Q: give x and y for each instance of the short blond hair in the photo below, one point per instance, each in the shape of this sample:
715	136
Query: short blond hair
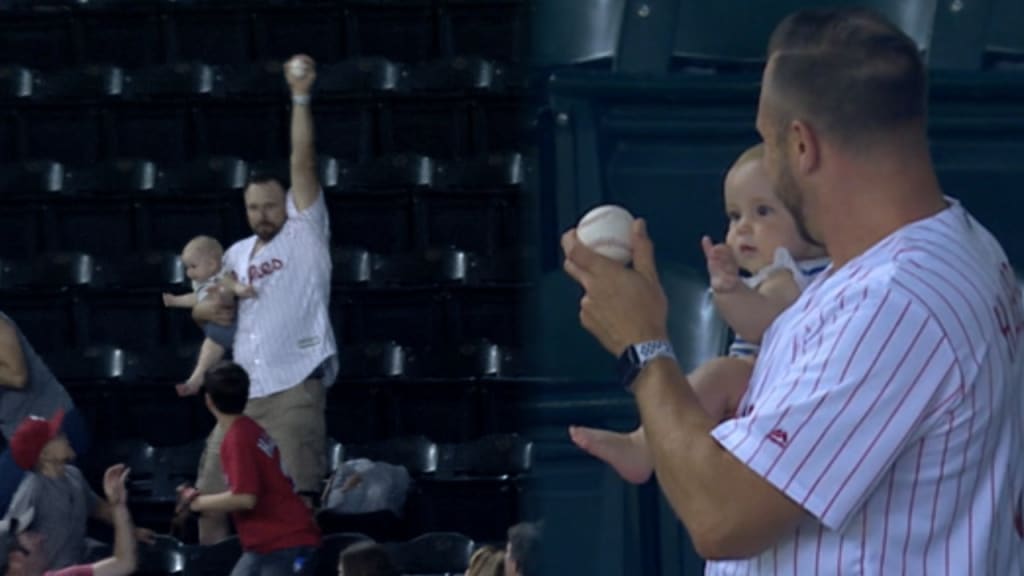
204	246
487	561
753	154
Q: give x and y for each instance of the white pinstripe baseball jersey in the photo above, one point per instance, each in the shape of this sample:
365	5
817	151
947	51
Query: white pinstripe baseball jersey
285	333
887	402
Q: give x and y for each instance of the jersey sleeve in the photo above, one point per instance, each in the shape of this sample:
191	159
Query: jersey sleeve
238	456
315	215
845	402
24	497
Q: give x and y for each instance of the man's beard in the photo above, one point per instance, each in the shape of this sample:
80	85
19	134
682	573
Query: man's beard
792	197
266	231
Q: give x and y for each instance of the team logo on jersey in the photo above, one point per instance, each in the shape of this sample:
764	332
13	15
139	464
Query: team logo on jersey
264	269
266	445
779	437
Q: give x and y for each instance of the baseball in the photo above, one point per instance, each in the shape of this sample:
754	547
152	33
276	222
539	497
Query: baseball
608	230
297	68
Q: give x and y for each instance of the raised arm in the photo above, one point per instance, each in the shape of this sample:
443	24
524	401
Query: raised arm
13	373
124	560
747	311
300	73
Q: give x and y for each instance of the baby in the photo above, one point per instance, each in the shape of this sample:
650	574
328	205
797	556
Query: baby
764	241
202	258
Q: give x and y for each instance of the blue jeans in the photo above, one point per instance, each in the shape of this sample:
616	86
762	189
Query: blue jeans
286	562
10	475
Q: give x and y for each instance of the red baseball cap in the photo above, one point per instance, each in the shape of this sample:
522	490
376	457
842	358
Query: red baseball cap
31	436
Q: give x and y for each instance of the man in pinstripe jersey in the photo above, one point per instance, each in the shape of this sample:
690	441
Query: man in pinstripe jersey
881	430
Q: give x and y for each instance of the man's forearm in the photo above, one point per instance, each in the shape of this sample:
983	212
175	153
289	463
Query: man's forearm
223	502
125	558
713	494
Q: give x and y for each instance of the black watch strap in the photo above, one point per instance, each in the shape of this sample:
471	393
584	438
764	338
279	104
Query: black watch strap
635	357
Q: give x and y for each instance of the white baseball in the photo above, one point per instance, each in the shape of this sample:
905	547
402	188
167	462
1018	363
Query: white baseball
608	230
297	68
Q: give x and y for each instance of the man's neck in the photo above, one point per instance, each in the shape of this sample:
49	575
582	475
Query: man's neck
51	470
872	202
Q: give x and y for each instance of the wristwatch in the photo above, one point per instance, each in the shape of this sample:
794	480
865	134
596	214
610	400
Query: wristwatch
635	357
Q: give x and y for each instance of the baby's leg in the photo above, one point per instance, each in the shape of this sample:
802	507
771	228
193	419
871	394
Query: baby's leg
209	354
718	384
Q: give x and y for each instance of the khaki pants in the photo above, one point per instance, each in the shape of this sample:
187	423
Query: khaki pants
294	418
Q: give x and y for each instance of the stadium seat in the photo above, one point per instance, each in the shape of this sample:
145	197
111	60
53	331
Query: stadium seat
32	180
496	456
458	75
416	316
574	33
485	359
379	360
428	127
398	172
98	226
1004	42
52	272
492	313
254	130
380	221
352	266
87	83
735	33
120	34
416	453
133	320
372	25
208	32
71	133
433	553
493	29
8	136
47	319
331	548
146	271
345	128
215	560
37	39
175	81
166	556
255	79
498	171
123	176
91	366
211	176
359	76
316	29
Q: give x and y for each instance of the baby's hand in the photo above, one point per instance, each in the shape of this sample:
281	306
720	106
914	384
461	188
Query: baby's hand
245	291
168	300
722	266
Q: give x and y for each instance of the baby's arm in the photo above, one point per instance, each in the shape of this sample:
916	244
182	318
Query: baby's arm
750	312
231	283
183	301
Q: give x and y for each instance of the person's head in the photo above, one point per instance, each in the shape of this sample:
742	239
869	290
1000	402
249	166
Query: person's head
522	553
202	258
840	85
25	558
265	205
759	222
39	445
226	388
366	559
487	561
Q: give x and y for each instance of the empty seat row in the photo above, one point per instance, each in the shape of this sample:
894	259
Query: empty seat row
427	554
139	34
356	77
386	223
731	35
219	175
176	131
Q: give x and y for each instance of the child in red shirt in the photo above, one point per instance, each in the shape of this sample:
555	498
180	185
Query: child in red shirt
276	529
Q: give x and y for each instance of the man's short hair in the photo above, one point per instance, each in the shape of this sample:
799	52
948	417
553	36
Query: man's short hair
848	71
227	385
260	175
524	546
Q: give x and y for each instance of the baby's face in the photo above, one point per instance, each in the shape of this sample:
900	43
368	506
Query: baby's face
759	223
199	267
